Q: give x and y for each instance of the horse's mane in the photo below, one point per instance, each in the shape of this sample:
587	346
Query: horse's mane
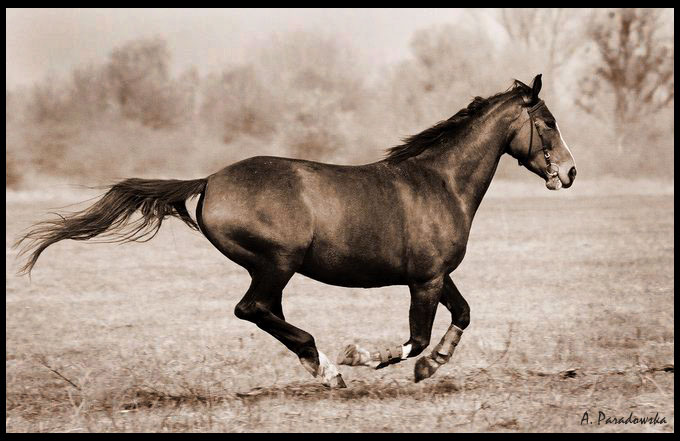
416	144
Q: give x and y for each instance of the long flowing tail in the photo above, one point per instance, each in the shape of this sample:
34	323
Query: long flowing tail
110	216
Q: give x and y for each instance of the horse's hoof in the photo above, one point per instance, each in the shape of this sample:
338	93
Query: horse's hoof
337	382
425	368
353	356
347	355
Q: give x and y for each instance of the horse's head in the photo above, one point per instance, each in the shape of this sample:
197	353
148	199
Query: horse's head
536	141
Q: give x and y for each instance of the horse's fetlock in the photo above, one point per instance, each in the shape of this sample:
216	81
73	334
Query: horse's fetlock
418	345
463	320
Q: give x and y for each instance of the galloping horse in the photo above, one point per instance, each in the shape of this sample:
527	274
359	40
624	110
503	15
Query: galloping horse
404	220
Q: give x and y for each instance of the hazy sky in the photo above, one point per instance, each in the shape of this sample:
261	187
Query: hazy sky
42	41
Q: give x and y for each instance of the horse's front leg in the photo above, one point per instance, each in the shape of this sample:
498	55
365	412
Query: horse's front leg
427	365
424	300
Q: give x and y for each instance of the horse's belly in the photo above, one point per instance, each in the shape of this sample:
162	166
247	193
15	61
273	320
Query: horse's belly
359	279
357	270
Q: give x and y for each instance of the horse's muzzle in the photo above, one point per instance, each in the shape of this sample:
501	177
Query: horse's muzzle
572	176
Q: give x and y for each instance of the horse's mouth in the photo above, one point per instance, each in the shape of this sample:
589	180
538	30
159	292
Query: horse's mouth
553	183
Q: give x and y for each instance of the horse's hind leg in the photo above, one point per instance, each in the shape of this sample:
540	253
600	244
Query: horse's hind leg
262	306
427	365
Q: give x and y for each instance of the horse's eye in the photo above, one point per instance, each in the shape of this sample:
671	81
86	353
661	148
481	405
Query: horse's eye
551	124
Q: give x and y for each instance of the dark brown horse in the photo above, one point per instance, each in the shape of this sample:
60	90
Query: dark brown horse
404	220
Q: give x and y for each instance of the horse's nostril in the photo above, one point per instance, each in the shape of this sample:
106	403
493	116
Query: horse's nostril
572	173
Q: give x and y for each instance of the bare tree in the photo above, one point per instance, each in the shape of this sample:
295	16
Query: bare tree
636	68
555	33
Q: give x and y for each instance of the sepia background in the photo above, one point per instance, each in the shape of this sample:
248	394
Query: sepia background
142	337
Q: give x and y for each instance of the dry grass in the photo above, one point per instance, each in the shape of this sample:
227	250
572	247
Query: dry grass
572	311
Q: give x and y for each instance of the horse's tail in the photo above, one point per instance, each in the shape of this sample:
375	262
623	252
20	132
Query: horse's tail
110	215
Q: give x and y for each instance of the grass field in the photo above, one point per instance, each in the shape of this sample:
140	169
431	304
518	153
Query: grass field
572	306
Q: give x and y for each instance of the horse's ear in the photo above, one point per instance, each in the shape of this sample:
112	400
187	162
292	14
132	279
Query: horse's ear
536	87
520	84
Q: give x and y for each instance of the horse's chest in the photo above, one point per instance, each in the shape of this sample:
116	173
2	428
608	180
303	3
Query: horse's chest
437	242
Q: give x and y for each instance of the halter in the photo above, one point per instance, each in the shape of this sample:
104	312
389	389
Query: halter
551	167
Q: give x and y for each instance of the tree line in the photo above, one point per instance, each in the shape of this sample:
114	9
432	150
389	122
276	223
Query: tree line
609	80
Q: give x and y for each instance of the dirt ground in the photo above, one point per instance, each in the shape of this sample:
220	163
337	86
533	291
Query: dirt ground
572	311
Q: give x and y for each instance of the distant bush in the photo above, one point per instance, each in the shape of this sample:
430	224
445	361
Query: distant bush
312	129
140	82
90	93
237	103
49	101
319	94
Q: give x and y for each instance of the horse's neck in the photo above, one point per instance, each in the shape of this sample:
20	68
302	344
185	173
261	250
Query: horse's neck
469	162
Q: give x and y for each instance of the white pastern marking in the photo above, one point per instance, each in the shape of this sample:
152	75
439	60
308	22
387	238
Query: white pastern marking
405	350
327	370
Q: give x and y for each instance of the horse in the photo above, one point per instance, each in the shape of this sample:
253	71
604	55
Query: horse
403	220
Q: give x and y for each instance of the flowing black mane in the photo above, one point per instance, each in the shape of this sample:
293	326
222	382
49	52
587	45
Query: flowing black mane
416	144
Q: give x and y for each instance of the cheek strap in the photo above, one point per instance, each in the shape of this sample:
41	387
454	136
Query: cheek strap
531	141
551	167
